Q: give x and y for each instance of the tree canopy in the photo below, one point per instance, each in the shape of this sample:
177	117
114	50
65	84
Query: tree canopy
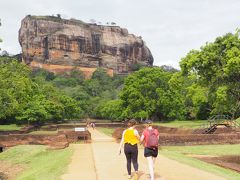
147	93
207	84
0	37
217	67
31	99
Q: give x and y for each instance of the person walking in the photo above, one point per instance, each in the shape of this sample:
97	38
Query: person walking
93	125
130	139
150	137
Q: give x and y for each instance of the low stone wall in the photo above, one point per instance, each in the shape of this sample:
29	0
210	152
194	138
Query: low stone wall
28	129
169	136
74	136
61	140
24	130
68	126
58	141
72	126
49	128
199	139
171	130
11	132
113	125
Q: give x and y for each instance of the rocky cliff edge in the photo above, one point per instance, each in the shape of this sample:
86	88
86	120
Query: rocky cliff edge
60	45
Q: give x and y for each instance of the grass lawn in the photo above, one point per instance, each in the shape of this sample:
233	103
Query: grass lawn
39	163
9	127
108	131
44	132
72	124
181	154
194	124
101	120
238	120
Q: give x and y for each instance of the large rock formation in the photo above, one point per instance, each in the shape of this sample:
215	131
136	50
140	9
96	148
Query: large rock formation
58	45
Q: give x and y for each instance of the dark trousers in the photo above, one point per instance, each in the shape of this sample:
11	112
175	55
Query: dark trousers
131	153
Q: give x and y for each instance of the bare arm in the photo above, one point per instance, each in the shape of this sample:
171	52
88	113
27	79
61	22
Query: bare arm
136	134
158	135
121	143
142	138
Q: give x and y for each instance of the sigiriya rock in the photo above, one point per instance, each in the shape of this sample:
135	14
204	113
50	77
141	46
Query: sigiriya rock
60	45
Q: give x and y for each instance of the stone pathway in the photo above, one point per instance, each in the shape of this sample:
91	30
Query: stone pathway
109	164
101	161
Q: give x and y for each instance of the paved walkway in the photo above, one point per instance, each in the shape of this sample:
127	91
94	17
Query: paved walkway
82	165
100	161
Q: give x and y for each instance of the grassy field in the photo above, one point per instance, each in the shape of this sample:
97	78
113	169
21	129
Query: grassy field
194	124
108	131
44	132
238	120
72	124
9	127
178	124
181	154
38	162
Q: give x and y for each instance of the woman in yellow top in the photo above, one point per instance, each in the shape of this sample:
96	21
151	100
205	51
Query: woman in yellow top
130	138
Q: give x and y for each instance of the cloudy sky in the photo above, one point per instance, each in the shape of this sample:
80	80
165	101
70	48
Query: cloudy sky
170	28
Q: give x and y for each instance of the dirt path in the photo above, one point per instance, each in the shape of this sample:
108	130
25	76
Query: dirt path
100	160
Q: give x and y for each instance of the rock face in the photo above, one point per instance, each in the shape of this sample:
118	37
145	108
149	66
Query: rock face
57	45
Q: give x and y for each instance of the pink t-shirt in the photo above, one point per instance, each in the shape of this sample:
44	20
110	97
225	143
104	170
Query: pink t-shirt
146	135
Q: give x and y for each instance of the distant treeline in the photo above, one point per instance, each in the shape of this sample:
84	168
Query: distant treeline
207	84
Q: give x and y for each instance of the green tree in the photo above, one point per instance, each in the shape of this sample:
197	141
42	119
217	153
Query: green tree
79	94
103	78
72	110
61	81
177	94
0	38
47	104
197	101
217	66
34	111
15	86
136	66
77	74
112	110
40	110
46	75
93	87
25	96
147	93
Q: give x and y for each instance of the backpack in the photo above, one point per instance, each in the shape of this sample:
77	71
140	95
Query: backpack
152	141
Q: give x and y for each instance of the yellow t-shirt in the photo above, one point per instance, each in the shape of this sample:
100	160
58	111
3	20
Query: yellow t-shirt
130	137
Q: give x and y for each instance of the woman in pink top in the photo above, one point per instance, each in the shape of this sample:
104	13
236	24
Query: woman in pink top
150	136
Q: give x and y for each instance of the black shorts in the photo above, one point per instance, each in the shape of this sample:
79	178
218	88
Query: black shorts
150	152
